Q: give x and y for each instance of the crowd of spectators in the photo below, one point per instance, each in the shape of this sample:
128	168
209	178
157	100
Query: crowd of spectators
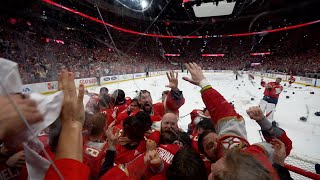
40	58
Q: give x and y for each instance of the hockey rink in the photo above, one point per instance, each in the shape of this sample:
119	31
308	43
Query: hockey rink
304	135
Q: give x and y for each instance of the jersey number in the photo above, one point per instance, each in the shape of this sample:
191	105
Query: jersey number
92	152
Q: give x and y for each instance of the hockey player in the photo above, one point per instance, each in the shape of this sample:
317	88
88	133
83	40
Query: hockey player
251	78
292	79
270	98
230	140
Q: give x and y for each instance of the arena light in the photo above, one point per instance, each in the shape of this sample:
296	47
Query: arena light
260	54
144	4
209	9
255	64
212	55
178	37
172	55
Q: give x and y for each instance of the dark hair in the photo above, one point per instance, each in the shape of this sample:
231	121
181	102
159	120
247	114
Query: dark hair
143	92
205	124
185	139
54	134
145	118
105	100
120	97
200	140
136	101
134	127
104	89
187	164
204	109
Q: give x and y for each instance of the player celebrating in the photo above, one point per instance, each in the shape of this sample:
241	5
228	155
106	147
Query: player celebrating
270	98
291	80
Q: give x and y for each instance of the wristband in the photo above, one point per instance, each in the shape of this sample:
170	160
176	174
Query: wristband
203	83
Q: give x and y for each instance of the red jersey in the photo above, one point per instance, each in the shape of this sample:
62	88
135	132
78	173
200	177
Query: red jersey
125	156
137	169
194	138
70	169
153	135
109	118
44	138
124	114
93	156
170	104
196	116
275	90
292	79
119	108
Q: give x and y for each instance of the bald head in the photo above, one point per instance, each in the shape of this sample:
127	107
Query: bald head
169	120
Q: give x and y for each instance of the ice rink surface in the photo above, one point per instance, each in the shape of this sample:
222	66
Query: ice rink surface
304	135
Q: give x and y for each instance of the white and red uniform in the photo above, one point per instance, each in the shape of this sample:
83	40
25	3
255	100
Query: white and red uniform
196	116
270	99
91	106
93	156
291	80
224	116
138	170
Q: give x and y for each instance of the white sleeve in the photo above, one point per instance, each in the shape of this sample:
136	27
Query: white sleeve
233	127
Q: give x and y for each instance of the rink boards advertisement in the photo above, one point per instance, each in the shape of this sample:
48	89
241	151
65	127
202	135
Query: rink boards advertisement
299	80
52	86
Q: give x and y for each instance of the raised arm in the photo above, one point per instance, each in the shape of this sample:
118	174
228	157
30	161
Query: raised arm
174	99
68	158
223	115
269	131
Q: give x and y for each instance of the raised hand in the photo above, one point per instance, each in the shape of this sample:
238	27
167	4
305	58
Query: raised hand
112	138
173	80
72	118
73	109
151	145
196	73
255	113
152	159
279	154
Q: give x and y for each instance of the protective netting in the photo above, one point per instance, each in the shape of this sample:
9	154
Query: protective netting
301	163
